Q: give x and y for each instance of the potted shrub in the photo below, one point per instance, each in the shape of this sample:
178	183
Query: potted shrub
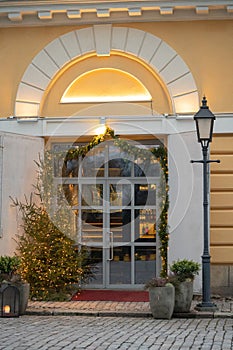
161	297
9	267
184	272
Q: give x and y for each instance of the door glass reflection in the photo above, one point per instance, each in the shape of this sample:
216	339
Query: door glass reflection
145	225
119	167
95	257
147	167
120	266
120	225
92	226
68	192
92	195
120	194
145	264
145	194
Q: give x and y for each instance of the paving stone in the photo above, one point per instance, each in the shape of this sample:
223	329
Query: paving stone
102	333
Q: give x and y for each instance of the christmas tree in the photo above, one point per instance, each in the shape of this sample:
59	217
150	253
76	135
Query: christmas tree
50	260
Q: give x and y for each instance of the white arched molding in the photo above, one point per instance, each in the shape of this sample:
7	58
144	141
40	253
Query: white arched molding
101	39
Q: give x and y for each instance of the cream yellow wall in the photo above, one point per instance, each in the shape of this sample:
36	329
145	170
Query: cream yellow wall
205	46
18	47
221	214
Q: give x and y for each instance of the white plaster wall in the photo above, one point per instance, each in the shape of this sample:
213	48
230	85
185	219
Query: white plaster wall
18	176
185	211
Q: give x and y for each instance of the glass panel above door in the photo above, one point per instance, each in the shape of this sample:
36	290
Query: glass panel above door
144	194
149	167
93	165
120	163
119	167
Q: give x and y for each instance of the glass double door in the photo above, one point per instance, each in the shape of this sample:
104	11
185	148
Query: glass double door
117	224
114	195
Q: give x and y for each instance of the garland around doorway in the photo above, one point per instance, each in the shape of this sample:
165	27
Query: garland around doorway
161	154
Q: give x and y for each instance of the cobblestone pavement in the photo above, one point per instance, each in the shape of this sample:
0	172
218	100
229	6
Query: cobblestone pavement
100	333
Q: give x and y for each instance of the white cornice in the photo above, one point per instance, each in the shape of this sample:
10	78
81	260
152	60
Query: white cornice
77	126
49	12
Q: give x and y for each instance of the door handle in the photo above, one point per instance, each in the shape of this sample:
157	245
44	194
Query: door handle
111	246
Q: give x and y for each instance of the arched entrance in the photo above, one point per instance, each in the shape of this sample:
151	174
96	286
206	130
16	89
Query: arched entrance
125	258
102	41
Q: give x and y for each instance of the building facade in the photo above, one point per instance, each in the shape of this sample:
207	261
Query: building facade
142	69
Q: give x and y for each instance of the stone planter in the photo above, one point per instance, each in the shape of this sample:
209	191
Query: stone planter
162	300
183	296
24	290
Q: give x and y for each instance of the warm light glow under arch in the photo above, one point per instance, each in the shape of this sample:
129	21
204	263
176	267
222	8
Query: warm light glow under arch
116	85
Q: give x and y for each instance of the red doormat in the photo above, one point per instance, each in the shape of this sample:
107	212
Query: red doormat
111	295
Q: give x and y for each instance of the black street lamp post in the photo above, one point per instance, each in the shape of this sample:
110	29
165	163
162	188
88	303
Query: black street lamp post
204	119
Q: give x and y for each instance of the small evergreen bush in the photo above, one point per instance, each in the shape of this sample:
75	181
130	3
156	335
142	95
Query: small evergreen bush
9	266
185	269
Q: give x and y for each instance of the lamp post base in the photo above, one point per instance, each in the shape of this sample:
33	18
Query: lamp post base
206	307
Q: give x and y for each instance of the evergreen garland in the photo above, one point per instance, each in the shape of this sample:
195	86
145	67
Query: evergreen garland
76	152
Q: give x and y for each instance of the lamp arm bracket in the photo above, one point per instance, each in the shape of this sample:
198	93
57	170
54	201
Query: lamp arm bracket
214	161
208	161
196	161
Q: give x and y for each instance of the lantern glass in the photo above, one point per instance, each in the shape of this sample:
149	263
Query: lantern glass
204	119
205	129
9	300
